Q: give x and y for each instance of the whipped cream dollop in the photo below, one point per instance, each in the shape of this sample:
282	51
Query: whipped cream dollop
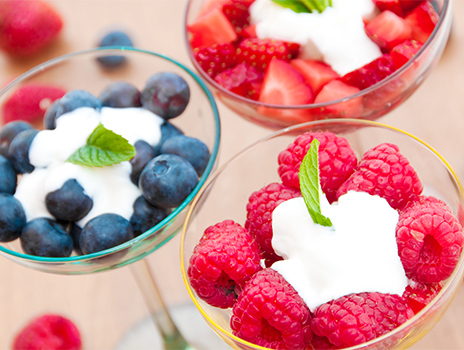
357	254
109	187
335	36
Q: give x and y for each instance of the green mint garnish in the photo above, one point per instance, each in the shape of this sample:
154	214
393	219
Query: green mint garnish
104	147
307	6
310	184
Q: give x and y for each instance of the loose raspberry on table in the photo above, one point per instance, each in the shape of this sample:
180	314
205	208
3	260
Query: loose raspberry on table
385	172
430	240
336	161
358	318
216	58
418	295
260	206
224	259
270	313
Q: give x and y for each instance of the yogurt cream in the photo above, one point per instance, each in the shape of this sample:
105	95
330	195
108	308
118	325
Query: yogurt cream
109	187
357	254
335	36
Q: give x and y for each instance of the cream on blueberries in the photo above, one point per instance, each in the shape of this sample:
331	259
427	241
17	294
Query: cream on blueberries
336	35
357	254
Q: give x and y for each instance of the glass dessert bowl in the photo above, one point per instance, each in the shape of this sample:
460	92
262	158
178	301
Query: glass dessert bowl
359	96
251	171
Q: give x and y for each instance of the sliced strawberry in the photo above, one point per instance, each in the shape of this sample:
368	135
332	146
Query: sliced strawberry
249	32
337	89
216	59
409	5
316	73
371	73
210	5
391	5
423	20
211	28
237	13
402	53
242	80
388	30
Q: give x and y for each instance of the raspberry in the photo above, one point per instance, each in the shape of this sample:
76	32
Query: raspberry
270	313
385	172
260	206
51	332
321	343
224	259
429	239
358	318
336	161
418	295
216	58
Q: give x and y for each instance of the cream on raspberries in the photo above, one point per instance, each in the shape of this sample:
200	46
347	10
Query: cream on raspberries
357	254
335	36
50	149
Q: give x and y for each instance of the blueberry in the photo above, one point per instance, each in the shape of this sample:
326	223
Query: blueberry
49	120
120	95
69	203
18	153
167	130
8	178
12	218
8	133
73	100
144	153
104	232
145	216
75	232
46	237
114	38
167	180
166	94
189	148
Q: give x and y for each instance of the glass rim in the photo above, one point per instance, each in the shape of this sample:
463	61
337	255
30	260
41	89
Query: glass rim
445	12
457	273
213	153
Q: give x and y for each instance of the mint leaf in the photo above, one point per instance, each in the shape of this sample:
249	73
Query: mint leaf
306	6
310	184
103	148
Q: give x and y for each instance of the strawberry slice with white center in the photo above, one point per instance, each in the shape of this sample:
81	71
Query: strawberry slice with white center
423	20
388	30
316	73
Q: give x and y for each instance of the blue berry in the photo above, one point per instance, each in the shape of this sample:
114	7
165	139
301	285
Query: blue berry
75	232
120	95
167	180
45	237
8	133
49	120
18	153
189	148
12	218
73	100
144	153
167	130
114	38
166	94
8	178
69	203
104	232
145	216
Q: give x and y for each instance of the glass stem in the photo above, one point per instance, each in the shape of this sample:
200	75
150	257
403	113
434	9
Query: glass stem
172	338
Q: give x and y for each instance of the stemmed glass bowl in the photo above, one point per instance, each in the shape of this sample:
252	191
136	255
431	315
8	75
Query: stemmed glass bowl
225	196
376	101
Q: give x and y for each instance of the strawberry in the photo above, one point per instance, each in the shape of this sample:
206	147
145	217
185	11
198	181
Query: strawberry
237	13
423	20
316	73
27	26
409	5
211	28
336	89
249	32
243	79
216	58
388	30
391	5
402	53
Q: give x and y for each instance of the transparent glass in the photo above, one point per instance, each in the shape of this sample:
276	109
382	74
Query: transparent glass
226	194
377	100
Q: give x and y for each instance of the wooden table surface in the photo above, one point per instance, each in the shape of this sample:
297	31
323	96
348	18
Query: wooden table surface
106	306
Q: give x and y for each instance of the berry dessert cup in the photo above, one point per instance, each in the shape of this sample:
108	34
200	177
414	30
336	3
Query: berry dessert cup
260	63
238	291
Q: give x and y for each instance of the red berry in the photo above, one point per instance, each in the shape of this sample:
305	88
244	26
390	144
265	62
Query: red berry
336	161
429	239
270	313
385	172
391	5
423	20
418	295
337	89
388	30
26	27
29	102
51	332
402	53
316	73
243	80
358	318
237	13
216	58
224	259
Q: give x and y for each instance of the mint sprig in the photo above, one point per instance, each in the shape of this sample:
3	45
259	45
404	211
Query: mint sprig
310	184
104	147
307	6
